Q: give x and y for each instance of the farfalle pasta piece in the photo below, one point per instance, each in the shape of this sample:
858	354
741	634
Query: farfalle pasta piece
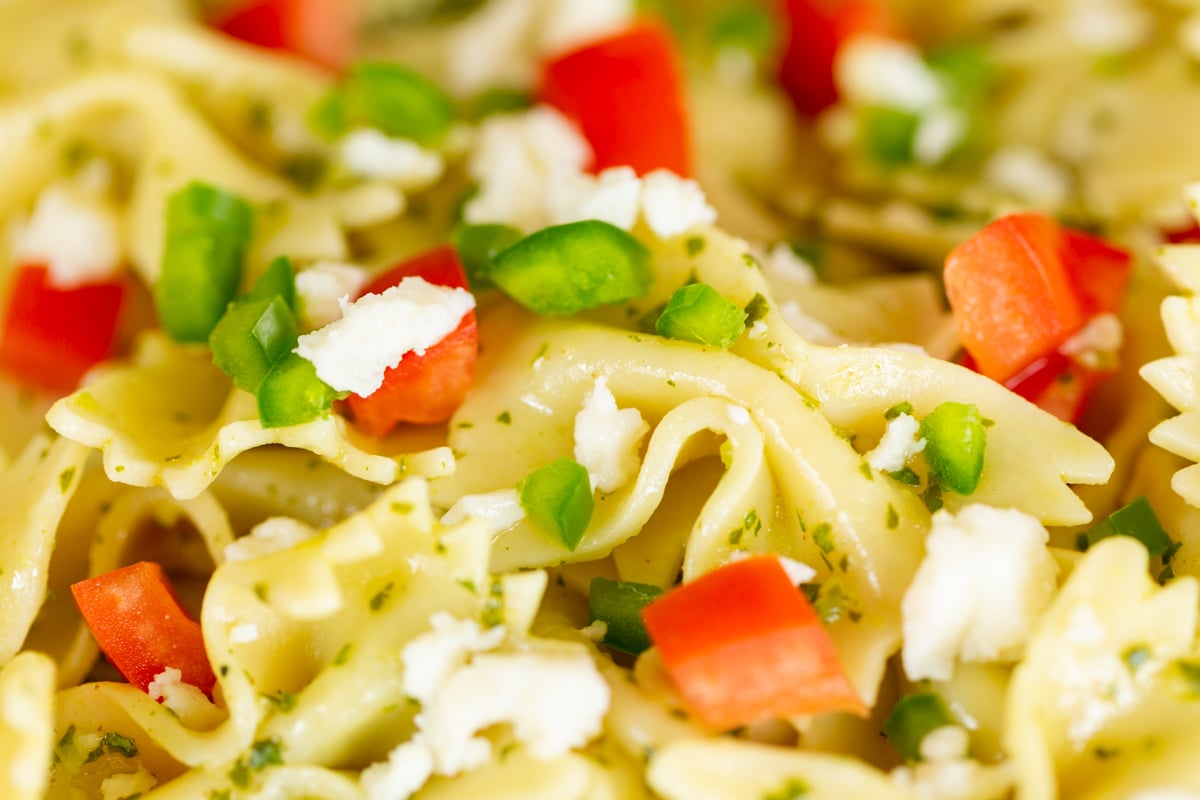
40	483
1101	695
26	725
171	419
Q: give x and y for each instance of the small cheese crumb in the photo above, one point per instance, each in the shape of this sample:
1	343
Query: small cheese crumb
321	289
900	442
500	510
568	24
614	196
272	535
785	264
938	133
673	205
76	235
985	580
189	703
554	703
377	330
491	47
406	770
797	571
608	440
244	633
872	70
1096	345
122	785
1028	174
517	156
373	154
430	658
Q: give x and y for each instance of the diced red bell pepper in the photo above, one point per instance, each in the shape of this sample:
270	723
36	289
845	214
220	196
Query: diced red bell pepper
53	336
626	93
425	388
1022	285
321	31
742	644
1058	384
817	29
136	618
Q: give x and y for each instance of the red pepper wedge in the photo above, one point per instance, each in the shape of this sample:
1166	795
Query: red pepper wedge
1024	284
626	93
321	31
427	388
817	29
742	644
136	618
52	336
1058	384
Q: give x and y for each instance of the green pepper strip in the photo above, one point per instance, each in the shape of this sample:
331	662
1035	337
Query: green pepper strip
914	717
955	440
291	393
478	246
392	98
558	499
699	313
1136	520
619	604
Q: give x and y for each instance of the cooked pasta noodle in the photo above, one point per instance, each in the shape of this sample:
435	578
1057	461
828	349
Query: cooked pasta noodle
392	616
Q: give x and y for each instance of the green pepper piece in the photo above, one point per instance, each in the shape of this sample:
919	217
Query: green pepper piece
478	246
558	499
206	234
277	280
955	440
1136	520
699	313
291	393
565	269
888	134
394	99
250	338
619	604
915	716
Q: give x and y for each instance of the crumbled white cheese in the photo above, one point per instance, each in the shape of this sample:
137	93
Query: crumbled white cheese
568	24
672	205
555	702
377	330
500	510
785	264
614	196
797	571
189	703
900	442
121	785
595	631
986	578
322	287
430	658
608	440
937	134
373	154
1028	174
872	70
1098	341
491	47
1108	26
517	156
946	772
75	234
406	770
271	535
757	331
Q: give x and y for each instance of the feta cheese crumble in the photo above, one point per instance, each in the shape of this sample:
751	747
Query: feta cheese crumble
373	154
608	440
1096	345
567	24
189	703
986	578
554	700
76	235
673	205
499	510
872	70
377	330
614	196
322	287
272	535
1028	174
900	442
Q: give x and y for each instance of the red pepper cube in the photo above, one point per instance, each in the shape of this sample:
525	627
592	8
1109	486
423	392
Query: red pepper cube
1012	295
742	644
51	336
422	389
136	618
321	31
626	93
